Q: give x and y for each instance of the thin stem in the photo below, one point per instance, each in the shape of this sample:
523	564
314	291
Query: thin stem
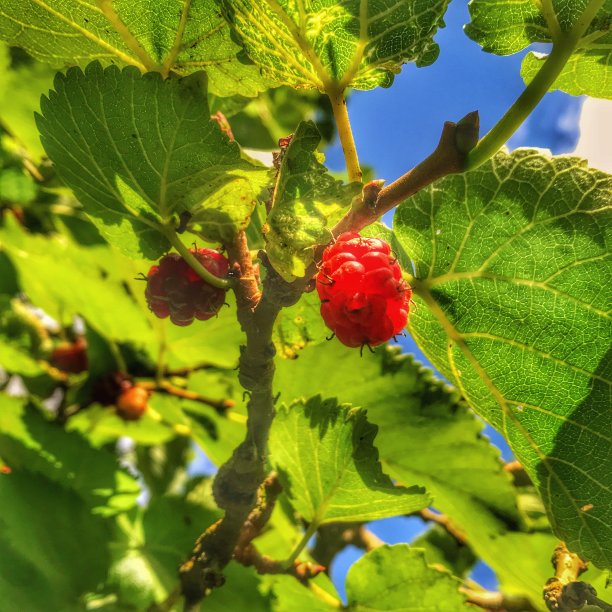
312	529
119	360
490	600
220	405
562	49
199	269
338	102
330	600
128	38
161	355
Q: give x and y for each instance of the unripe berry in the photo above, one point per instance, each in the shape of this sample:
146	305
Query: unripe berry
132	403
364	299
175	290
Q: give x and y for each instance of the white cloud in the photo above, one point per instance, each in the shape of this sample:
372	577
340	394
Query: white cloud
595	134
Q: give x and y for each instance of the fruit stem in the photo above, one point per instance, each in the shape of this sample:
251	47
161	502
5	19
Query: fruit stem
564	45
199	269
338	103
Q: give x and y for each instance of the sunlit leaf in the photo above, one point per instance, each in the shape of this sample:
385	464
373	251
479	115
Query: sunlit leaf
136	150
329	467
21	86
398	578
511	262
28	441
183	36
427	436
355	43
305	197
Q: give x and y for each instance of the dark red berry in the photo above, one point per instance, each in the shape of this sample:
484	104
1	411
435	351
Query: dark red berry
70	356
175	290
364	299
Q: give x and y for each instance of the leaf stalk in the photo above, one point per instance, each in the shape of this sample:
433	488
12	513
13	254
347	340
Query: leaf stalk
345	133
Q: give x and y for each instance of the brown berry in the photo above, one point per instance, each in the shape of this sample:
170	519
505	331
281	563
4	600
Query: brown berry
132	403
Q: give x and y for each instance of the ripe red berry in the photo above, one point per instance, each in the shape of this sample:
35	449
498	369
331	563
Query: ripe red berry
175	290
364	299
132	403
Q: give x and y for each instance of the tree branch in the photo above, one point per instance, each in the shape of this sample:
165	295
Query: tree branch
303	571
520	478
221	406
444	521
236	485
331	539
449	157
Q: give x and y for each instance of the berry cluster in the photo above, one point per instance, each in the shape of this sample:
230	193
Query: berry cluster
174	289
364	299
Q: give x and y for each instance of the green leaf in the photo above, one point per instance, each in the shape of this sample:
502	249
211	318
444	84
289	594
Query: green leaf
16	187
305	197
242	590
28	441
21	339
215	342
329	467
151	545
427	436
20	92
180	36
134	169
229	209
275	114
318	595
53	549
398	578
217	435
507	26
441	548
65	279
584	74
510	261
299	326
101	425
357	44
